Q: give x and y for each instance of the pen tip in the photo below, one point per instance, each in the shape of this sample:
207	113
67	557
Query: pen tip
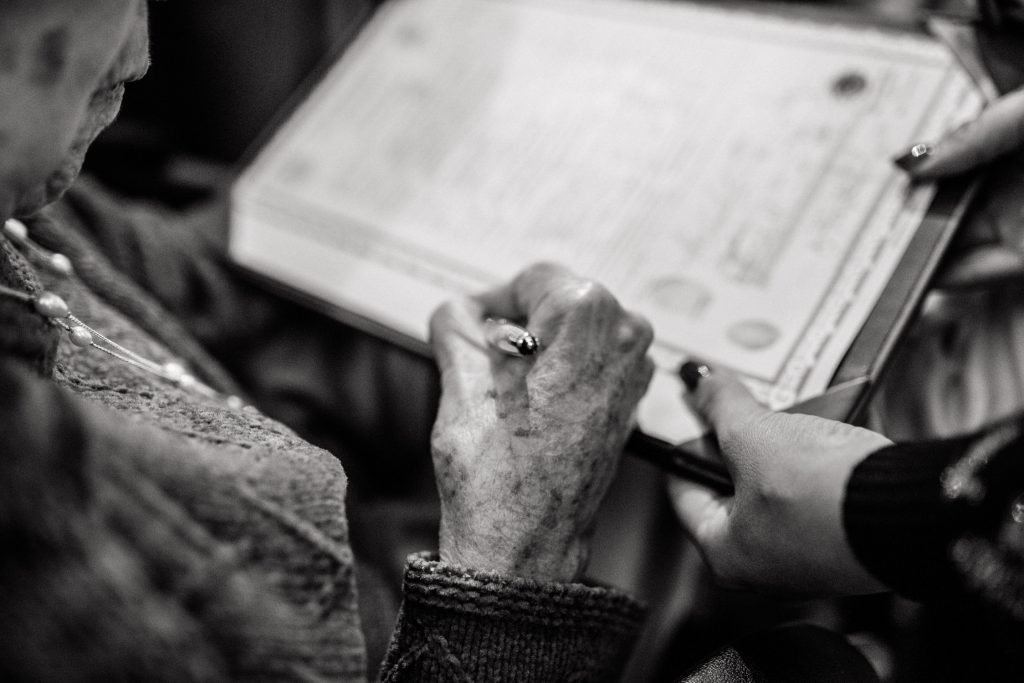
527	345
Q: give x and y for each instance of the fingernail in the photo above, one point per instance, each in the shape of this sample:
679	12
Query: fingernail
692	373
915	157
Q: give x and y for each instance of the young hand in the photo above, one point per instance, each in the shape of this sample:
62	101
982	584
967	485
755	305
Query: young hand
782	529
990	247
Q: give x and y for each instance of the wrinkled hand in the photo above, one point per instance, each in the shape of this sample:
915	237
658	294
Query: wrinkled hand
990	247
782	529
525	448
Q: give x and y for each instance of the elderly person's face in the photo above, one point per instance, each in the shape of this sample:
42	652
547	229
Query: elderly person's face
63	64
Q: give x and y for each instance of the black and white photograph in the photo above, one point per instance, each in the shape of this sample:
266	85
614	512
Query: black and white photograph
494	341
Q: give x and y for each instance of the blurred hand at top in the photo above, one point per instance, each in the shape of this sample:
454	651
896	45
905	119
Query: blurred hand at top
990	246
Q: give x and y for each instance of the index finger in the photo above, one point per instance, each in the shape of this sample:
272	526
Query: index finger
457	339
998	130
728	407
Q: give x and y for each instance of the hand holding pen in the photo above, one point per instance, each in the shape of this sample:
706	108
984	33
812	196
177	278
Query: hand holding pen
781	527
510	338
990	245
516	341
525	451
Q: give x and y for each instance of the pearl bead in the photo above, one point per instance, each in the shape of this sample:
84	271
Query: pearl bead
80	336
186	381
52	306
174	371
235	403
59	264
16	229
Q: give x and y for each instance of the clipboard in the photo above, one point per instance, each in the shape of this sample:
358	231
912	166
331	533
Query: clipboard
852	384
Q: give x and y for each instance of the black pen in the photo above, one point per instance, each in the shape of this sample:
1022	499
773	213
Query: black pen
683	462
515	340
510	338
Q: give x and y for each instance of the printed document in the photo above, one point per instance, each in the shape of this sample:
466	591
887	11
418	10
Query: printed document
726	174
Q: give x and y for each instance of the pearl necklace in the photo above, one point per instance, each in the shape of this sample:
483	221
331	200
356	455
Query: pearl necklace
56	310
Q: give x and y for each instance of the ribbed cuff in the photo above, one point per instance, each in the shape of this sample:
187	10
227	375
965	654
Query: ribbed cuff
896	519
460	624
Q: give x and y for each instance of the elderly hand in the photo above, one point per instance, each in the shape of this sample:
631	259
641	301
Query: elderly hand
525	448
782	529
991	245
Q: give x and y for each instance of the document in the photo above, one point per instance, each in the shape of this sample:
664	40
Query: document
726	174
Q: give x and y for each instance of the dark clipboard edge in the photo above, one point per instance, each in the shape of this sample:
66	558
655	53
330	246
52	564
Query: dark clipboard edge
861	368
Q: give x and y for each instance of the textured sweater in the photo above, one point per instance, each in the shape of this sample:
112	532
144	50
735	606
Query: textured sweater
148	533
943	523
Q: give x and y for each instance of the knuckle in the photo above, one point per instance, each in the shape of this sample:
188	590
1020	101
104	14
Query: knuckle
441	440
575	295
444	313
635	332
440	319
543	270
592	294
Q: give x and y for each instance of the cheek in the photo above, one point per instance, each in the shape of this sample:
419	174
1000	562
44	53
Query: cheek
48	75
49	58
50	104
32	145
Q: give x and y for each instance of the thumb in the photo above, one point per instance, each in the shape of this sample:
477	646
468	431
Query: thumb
703	513
997	130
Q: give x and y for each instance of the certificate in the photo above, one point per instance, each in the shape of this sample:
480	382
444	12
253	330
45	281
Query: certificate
726	174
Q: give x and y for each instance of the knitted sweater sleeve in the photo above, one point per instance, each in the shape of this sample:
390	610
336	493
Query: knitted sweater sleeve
461	625
941	520
340	388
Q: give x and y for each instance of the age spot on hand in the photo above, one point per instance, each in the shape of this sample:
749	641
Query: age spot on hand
51	57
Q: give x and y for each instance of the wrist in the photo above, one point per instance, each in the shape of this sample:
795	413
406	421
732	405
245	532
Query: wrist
535	558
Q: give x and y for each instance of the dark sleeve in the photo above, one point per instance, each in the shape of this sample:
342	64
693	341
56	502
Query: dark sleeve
931	519
463	625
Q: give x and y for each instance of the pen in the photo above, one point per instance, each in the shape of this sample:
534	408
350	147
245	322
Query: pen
510	339
516	340
682	462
